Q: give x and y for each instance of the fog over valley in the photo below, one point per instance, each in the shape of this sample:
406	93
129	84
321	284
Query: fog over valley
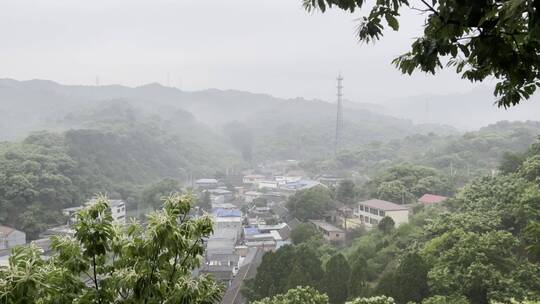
270	152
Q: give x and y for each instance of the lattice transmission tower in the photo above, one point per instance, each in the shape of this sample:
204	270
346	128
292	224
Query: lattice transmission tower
339	116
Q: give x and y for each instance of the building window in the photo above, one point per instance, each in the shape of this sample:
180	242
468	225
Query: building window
382	213
361	207
374	211
373	221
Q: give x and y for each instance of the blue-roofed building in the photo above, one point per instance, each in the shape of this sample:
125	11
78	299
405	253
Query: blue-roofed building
251	231
300	185
220	212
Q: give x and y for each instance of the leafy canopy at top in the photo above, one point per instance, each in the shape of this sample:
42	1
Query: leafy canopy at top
480	38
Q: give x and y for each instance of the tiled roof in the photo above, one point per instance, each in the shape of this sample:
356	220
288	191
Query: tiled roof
227	212
206	181
5	230
326	226
248	271
251	230
431	198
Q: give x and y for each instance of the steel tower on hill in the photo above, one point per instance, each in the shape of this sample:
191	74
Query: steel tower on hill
339	116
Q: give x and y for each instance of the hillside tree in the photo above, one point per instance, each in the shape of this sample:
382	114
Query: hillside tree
104	263
336	279
480	39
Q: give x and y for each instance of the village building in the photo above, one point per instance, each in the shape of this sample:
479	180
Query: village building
64	230
329	180
330	232
206	183
282	228
221	195
299	185
285	179
222	274
247	271
371	212
71	214
11	237
224	259
117	208
253	179
234	223
250	196
268	184
222	241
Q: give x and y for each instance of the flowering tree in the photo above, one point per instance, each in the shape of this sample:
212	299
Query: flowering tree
104	263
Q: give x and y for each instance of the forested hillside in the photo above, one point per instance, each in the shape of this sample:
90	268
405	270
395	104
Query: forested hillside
119	154
280	128
457	156
479	247
122	141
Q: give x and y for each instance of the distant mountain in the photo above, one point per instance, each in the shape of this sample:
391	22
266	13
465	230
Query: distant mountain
468	111
279	128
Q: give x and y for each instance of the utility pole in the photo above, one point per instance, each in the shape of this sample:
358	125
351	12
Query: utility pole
339	116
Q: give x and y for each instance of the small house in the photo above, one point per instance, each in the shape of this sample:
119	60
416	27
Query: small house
11	237
330	232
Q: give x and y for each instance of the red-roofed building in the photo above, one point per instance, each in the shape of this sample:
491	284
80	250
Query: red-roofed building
428	199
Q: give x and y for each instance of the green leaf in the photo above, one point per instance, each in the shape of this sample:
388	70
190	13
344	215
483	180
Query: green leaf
392	21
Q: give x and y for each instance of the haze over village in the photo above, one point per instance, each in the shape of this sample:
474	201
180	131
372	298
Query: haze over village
269	152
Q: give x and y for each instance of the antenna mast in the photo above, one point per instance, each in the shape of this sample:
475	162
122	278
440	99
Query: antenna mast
339	116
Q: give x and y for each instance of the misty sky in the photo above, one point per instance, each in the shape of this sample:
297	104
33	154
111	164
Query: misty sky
266	46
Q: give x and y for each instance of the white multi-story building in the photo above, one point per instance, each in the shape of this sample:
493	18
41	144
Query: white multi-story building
372	211
234	223
268	184
117	208
206	183
282	180
253	178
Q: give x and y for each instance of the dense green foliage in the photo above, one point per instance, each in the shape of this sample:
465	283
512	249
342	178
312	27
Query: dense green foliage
37	179
457	158
310	295
311	203
122	155
304	232
481	246
118	264
306	295
481	39
153	194
406	183
336	279
346	192
205	201
289	267
475	248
